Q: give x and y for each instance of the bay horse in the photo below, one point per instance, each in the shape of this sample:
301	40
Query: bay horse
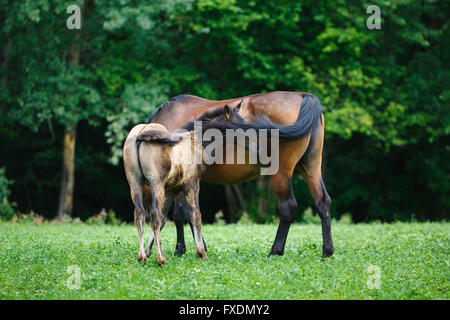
165	163
302	152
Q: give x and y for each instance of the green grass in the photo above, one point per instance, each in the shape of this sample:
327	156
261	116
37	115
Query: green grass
413	259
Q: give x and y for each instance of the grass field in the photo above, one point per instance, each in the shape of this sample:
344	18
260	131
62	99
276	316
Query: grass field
37	262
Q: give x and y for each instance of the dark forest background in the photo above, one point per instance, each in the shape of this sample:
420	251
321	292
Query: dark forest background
385	96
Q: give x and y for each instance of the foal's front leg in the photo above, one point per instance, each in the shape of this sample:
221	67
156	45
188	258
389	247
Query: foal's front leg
196	218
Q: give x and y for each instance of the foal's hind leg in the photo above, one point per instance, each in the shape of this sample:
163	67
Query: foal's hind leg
139	220
158	214
196	218
148	206
193	234
148	249
147	197
156	220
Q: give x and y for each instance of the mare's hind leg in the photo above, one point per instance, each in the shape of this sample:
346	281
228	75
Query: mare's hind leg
310	168
323	203
287	204
289	155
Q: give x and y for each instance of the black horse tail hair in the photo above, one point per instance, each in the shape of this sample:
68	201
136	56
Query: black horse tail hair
159	137
307	121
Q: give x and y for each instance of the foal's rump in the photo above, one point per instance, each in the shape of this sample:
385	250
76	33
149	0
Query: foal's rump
133	169
131	157
132	164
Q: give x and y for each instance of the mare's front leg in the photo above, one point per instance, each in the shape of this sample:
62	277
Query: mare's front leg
179	208
196	218
287	205
180	215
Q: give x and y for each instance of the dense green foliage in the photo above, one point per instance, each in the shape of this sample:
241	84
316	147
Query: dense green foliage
385	93
6	209
37	262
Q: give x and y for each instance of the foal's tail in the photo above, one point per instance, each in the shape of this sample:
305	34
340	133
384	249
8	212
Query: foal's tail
307	121
159	137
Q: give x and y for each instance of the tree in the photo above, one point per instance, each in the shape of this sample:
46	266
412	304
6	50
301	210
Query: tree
66	78
384	91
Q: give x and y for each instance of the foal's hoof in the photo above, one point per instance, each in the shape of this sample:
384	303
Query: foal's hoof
202	254
161	260
327	252
141	257
148	253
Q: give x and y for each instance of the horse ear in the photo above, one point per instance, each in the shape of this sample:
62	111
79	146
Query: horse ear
238	106
227	111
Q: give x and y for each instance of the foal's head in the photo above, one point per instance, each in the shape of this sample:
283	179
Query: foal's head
217	115
232	114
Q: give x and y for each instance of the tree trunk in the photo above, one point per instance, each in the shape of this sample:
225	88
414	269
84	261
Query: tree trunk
67	179
65	205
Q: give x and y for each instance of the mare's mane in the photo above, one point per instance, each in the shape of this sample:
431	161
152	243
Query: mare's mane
208	115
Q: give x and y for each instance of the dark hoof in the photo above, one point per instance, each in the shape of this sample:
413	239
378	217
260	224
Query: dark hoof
275	252
327	252
179	252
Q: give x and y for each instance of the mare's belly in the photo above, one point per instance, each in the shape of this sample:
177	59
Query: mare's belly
231	173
